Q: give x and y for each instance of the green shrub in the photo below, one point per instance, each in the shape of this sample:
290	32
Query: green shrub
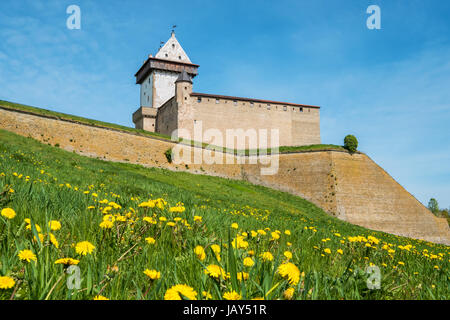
168	155
350	143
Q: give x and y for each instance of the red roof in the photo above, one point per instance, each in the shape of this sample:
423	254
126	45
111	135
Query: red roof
197	94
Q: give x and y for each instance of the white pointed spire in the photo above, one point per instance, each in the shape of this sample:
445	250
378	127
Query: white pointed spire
172	50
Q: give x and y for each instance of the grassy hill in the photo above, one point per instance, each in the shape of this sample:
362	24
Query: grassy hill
175	223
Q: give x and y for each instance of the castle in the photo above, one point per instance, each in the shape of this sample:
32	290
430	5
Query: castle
168	103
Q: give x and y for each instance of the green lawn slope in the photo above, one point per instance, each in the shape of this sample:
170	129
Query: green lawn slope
312	255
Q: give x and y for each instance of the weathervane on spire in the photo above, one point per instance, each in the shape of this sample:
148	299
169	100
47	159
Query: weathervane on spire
173	29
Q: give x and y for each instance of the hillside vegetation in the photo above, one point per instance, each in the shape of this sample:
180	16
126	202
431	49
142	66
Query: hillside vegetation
140	233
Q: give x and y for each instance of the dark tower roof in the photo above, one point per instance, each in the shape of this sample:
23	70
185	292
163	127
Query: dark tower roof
184	77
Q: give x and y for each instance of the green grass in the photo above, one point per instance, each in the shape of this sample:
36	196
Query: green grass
63	116
49	184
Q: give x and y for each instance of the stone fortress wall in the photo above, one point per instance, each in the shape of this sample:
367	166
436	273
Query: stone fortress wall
296	124
351	187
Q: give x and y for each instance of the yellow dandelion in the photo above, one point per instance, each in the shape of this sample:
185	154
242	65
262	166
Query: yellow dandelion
100	297
215	271
232	295
84	248
7	282
290	272
327	250
27	255
53	240
180	292
234	225
206	295
54	225
152	274
8	213
67	261
288	255
216	249
288	293
177	209
149	220
200	253
248	262
267	256
239	242
150	240
242	276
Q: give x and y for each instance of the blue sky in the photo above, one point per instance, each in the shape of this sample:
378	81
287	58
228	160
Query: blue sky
389	87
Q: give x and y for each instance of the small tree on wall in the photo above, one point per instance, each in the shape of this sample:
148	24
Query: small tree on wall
433	205
350	143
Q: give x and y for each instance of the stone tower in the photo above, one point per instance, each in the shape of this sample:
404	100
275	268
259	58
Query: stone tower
157	78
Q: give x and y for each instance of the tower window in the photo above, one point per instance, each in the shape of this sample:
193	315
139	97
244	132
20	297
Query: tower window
217	100
167	55
301	109
173	45
251	104
268	107
179	57
235	102
284	108
199	99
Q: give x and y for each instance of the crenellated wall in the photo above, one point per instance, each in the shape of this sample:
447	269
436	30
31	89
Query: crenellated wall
351	187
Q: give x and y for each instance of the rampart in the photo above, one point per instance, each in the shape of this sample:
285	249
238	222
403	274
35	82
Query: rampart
351	187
